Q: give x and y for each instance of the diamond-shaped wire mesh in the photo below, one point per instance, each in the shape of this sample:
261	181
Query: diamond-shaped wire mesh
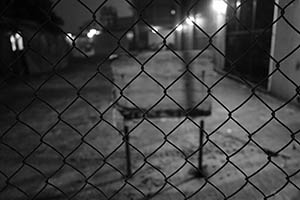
149	99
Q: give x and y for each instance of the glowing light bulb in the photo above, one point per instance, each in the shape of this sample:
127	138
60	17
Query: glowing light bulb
219	6
92	33
179	28
190	20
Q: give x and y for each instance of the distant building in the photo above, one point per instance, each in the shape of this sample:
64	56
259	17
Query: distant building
108	16
176	22
158	13
161	16
110	37
29	42
248	39
116	38
261	46
25	49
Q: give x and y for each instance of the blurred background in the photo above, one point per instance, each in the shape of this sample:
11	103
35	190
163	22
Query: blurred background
66	64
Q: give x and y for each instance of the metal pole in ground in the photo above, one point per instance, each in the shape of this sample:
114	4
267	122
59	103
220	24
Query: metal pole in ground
200	172
200	156
127	151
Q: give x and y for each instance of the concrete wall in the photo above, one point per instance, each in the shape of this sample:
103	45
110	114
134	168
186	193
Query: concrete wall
285	41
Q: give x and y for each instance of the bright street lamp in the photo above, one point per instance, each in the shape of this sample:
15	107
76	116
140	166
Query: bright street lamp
219	6
179	28
92	33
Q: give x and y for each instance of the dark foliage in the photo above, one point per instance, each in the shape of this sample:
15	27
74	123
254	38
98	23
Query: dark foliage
39	11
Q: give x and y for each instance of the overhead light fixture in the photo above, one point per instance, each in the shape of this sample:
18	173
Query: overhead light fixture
189	20
130	35
92	32
155	29
238	3
179	28
200	21
219	6
70	35
173	12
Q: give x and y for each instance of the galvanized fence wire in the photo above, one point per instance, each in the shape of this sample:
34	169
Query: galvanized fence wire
8	183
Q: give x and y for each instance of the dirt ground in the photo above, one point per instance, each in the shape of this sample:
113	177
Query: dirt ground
58	143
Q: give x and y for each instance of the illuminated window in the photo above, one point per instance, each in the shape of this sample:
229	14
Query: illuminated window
16	41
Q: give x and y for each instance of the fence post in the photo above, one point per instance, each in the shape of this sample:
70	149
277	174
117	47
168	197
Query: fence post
127	151
200	156
201	170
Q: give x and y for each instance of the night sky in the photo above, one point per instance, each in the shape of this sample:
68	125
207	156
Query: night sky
75	15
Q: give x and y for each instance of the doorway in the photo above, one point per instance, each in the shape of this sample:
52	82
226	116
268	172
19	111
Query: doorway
248	39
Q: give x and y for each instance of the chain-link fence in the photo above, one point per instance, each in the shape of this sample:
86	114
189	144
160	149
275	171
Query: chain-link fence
149	99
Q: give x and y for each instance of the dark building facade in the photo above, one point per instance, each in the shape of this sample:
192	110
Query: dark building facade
160	16
248	39
185	25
